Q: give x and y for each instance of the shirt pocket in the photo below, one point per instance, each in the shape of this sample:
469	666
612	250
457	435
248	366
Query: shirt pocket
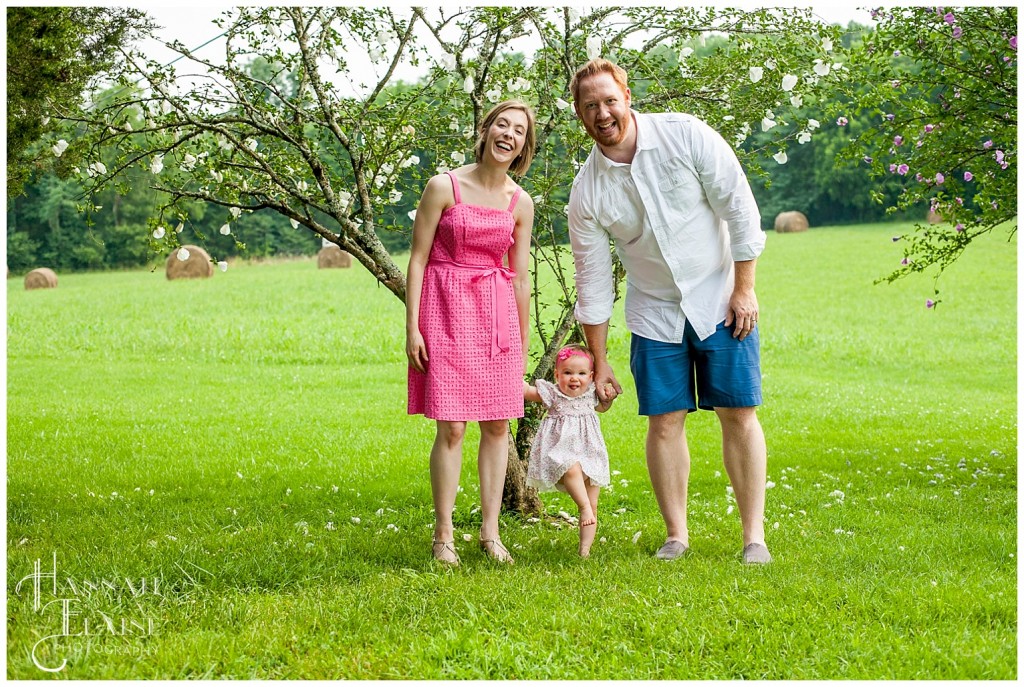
680	188
620	217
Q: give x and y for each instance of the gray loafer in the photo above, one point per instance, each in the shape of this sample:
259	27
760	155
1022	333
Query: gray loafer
671	550
756	554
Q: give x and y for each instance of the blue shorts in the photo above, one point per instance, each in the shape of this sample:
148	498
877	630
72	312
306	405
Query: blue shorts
722	371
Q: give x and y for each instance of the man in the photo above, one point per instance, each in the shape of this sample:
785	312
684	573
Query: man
669	191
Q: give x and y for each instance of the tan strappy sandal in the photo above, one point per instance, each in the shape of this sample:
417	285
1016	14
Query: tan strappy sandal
496	551
444	552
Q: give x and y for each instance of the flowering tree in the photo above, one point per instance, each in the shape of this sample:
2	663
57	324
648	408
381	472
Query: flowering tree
941	86
336	151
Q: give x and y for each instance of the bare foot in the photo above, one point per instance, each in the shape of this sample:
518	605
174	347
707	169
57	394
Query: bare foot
588	531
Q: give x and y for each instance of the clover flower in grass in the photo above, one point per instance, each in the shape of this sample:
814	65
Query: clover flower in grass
355	520
636	537
905	261
929	303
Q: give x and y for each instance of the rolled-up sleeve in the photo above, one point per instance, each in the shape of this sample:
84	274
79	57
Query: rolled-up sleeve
595	295
728	191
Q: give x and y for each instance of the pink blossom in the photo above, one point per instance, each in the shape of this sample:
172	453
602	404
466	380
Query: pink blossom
842	121
928	128
929	303
897	141
959	200
902	169
904	261
939	177
999	155
959	227
987	144
868	159
889	117
892	168
949	18
968	176
918	177
1013	42
957	32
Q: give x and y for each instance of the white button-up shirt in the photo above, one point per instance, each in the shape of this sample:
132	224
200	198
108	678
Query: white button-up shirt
680	214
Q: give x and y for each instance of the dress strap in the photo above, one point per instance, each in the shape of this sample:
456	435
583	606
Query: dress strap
515	198
455	187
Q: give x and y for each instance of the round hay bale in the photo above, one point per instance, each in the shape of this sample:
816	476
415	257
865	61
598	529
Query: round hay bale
197	266
41	278
333	256
790	222
934	217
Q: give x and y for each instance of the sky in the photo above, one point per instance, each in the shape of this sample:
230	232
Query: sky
192	24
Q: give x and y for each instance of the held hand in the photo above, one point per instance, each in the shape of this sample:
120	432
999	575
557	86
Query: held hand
743	311
607	386
416	351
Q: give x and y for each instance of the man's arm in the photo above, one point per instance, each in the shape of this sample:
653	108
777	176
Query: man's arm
604	377
743	302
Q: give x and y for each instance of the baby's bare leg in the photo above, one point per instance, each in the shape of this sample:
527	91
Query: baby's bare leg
577	487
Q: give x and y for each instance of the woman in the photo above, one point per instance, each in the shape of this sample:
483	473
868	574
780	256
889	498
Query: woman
467	315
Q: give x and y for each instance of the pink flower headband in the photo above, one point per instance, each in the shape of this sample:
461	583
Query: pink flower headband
570	351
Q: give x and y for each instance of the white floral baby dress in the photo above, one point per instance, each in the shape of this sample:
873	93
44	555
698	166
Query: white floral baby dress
569	433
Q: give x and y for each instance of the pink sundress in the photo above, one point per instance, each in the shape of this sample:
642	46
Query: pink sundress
469	320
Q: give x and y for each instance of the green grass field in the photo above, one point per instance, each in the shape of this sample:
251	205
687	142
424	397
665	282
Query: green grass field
241	442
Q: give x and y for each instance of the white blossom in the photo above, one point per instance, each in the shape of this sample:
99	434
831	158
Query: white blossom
593	47
684	53
636	537
183	255
770	64
165	106
822	68
188	162
826	44
812	124
235	211
217	175
223	266
180	228
755	73
767	124
59	147
458	157
412	215
159	232
251	144
301	185
781	157
356	520
409	130
493	95
468	84
157	165
796	101
225	229
561	104
294	223
395	196
447	62
804	137
788	81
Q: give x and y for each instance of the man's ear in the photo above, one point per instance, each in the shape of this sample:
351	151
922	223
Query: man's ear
629	97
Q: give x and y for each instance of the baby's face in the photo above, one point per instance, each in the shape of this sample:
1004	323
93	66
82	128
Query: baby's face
574	375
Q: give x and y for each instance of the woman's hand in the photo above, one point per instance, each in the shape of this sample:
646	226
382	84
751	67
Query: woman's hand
416	350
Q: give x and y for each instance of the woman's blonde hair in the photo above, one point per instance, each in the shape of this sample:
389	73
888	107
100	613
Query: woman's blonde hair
525	157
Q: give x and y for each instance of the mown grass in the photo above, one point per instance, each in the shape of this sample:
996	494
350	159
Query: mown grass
244	440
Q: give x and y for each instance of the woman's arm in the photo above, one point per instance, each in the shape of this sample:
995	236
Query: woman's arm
435	198
519	262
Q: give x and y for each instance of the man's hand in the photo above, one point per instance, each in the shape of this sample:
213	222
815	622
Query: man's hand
607	386
743	311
